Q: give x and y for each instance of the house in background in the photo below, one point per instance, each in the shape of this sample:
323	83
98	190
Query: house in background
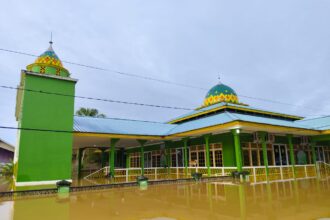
6	152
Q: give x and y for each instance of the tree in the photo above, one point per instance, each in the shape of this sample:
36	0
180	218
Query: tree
91	112
8	169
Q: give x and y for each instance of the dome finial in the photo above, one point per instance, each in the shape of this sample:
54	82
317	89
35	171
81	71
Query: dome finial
219	79
51	38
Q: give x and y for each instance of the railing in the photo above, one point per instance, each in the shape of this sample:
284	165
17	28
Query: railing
257	173
323	169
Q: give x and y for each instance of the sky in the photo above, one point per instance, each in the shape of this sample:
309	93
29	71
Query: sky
273	50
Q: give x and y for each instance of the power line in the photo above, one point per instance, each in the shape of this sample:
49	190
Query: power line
96	99
157	80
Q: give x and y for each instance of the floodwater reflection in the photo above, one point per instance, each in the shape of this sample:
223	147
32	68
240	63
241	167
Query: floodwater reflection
303	199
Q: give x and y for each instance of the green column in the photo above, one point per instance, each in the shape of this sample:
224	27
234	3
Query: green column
142	142
207	151
264	150
292	159
128	160
102	158
313	145
238	151
185	154
80	153
168	154
112	152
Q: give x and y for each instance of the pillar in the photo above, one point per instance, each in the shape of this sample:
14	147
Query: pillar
168	154
292	158
313	145
102	158
264	151
185	154
128	160
207	151
112	152
142	142
238	151
80	153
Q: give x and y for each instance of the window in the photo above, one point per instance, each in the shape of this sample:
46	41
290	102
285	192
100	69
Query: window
135	159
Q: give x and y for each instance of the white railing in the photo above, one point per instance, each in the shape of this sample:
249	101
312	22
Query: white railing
257	173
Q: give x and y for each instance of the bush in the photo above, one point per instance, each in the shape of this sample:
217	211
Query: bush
7	169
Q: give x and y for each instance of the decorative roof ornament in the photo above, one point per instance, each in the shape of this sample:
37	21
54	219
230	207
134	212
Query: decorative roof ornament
48	63
220	93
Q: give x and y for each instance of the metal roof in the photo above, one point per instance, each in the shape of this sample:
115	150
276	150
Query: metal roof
222	104
5	145
135	127
120	126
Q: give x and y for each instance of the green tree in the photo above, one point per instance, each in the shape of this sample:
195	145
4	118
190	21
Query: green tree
91	112
8	169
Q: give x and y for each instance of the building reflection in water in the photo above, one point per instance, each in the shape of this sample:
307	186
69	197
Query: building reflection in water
303	199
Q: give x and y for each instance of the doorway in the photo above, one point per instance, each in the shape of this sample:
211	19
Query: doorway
280	155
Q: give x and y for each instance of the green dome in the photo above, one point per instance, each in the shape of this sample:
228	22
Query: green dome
220	93
48	63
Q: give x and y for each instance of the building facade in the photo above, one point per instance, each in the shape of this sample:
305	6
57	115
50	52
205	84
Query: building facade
222	132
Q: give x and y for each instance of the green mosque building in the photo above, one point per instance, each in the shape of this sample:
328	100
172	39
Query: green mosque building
218	137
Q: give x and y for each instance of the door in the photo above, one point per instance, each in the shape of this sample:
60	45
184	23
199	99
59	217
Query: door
147	159
319	154
179	157
280	154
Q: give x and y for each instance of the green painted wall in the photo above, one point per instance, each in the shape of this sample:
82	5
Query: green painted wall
44	156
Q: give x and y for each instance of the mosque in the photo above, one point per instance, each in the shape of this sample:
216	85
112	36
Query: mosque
221	133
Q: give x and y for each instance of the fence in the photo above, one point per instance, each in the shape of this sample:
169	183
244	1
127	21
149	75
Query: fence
257	173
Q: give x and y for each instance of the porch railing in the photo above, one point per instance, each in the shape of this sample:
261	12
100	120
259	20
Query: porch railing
257	173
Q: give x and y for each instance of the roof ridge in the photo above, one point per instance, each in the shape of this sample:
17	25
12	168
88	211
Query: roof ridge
123	119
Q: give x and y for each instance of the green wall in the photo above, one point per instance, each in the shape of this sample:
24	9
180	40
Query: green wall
44	156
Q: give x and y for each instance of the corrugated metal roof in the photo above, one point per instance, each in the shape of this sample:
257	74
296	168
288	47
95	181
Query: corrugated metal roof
120	126
206	109
320	123
135	127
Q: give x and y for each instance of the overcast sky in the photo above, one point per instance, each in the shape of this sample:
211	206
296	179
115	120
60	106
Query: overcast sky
276	50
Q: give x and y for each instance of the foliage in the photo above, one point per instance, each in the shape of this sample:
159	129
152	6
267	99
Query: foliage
91	112
7	169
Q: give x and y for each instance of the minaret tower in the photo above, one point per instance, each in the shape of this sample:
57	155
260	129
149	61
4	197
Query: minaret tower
44	148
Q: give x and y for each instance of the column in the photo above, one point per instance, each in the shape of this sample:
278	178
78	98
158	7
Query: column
207	152
80	153
262	136
292	158
313	145
102	158
185	154
128	160
142	142
238	151
168	154
112	152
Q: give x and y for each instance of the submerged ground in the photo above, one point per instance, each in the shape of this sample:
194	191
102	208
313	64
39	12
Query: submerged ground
302	199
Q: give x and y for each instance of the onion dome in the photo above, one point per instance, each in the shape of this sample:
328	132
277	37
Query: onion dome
48	63
220	93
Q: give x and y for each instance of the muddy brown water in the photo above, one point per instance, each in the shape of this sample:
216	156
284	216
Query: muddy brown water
301	199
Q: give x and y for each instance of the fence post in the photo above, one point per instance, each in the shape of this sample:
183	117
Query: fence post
126	170
254	174
306	171
281	172
223	171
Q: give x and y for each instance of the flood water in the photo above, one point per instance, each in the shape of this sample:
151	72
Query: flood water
303	199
